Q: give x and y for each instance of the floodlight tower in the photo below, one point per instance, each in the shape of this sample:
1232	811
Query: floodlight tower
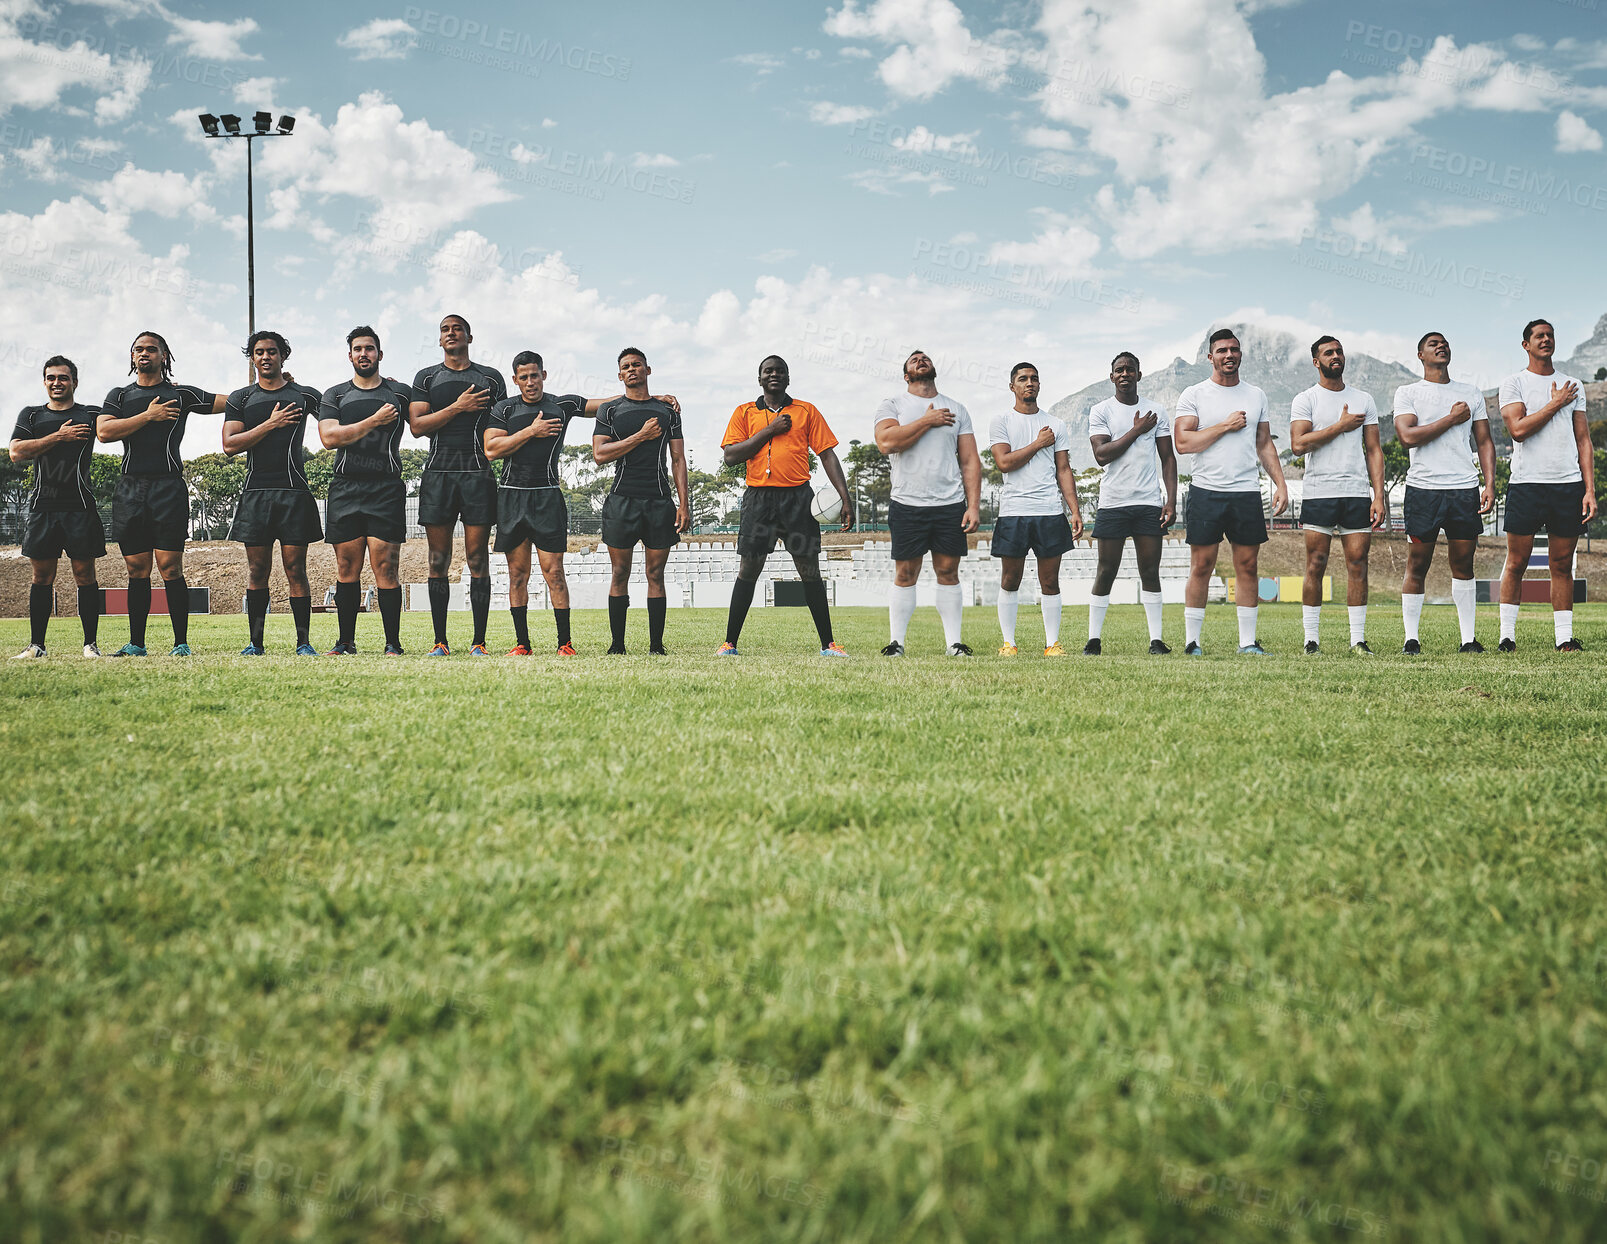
264	128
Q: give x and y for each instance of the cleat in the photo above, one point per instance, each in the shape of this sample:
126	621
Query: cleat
1055	650
1158	649
617	650
129	650
1311	648
391	650
252	650
440	650
1193	650
180	650
1252	650
478	650
658	650
959	650
727	649
1092	648
1360	649
566	650
1008	650
306	650
893	649
1472	645
1507	645
91	650
1411	648
33	652
518	650
834	649
1570	645
342	649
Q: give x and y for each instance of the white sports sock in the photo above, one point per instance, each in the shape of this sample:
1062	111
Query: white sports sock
1152	612
1509	621
1097	605
949	605
1358	623
1411	612
1311	618
1051	619
1193	624
1247	616
1463	595
1009	602
1563	621
900	609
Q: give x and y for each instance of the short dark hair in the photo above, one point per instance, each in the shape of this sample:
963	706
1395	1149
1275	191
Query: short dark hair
778	359
630	350
362	330
60	360
1322	341
167	353
1126	354
266	334
1018	367
523	359
467	331
1534	324
1426	336
1221	334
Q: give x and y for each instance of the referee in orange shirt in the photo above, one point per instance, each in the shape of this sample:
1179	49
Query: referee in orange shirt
774	435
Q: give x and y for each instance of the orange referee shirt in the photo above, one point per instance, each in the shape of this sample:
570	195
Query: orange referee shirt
784	461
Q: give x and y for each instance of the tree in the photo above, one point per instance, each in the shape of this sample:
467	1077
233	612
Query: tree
413	461
104	472
320	469
215	482
1397	459
870	478
704	492
1601	373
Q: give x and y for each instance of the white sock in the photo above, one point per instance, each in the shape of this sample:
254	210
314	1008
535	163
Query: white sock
1009	602
1358	623
1311	618
949	605
1193	624
1097	605
1051	619
1464	593
1411	612
1247	615
900	609
1509	621
1563	620
1152	612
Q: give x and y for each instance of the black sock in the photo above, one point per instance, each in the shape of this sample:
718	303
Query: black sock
301	610
139	610
347	598
480	603
41	600
657	606
89	611
741	602
521	623
440	593
390	611
815	598
561	617
178	608
618	607
256	612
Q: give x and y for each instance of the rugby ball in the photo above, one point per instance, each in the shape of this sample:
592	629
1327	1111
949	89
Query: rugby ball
828	506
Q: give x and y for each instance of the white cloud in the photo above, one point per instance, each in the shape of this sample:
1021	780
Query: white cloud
1061	247
38	74
1049	138
884	181
643	159
384	38
923	141
1574	133
762	63
855	53
823	113
777	255
935	45
548	123
213	40
129	82
167	194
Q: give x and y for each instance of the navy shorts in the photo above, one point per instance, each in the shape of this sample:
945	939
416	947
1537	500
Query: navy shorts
1119	522
1336	516
1232	516
446	496
648	521
921	529
77	533
1455	511
539	515
1559	508
1045	535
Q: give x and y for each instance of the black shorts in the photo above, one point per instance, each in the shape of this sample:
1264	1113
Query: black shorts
1336	516
1559	508
648	521
921	529
1455	511
77	533
539	515
1045	535
1232	516
787	514
446	496
374	509
287	515
1121	522
150	512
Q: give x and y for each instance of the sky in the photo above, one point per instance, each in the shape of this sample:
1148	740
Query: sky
838	183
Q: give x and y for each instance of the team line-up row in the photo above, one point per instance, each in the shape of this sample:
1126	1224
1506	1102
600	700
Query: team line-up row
466	413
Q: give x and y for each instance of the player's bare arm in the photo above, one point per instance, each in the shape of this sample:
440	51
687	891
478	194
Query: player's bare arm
1008	460
1067	479
1267	451
332	434
237	438
1484	443
604	450
1522	424
1414	434
971	477
1304	437
1107	449
27	450
683	507
1373	449
1191	438
893	437
743	451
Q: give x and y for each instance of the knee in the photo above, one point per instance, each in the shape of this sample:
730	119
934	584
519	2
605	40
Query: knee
750	568
440	563
809	571
1357	566
1317	563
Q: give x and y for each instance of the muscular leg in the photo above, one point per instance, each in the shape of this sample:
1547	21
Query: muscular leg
384	559
814	587
259	565
1419	557
519	592
619	594
1147	552
139	595
1462	590
1318	546
1357	546
1518	550
439	538
657	605
1010	571
901	600
293	557
348	586
1049	599
552	570
88	597
1247	586
748	572
950	607
1109	565
1560	561
170	564
41	598
477	553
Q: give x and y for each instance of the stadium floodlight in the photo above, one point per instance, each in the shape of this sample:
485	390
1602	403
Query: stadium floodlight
264	121
209	123
286	124
231	123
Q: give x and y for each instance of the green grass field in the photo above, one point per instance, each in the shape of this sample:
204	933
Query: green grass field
785	949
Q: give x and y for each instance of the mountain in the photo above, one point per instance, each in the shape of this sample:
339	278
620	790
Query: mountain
1588	354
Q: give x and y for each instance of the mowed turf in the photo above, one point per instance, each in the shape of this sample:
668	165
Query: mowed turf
782	948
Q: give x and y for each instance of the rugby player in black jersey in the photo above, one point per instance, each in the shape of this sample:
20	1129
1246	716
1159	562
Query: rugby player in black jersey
362	420
151	508
58	438
641	436
267	421
451	402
